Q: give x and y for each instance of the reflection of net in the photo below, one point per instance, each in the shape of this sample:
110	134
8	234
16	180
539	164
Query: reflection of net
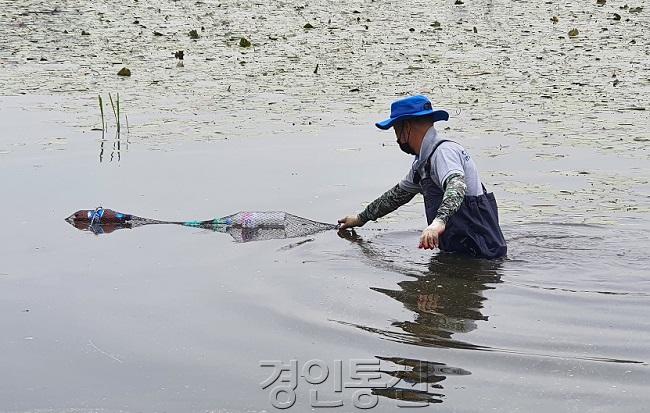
256	226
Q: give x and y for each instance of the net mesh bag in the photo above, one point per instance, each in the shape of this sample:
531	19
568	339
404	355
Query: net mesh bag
257	226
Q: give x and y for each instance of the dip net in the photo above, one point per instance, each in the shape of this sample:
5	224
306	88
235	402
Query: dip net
242	226
257	226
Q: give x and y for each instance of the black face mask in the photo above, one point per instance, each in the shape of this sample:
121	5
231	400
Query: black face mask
404	146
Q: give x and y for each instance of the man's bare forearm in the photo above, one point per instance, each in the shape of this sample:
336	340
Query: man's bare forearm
388	202
455	189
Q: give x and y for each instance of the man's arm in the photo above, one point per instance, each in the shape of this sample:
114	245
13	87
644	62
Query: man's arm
388	202
455	189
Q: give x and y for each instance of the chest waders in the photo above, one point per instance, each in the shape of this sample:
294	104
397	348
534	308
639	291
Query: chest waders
474	228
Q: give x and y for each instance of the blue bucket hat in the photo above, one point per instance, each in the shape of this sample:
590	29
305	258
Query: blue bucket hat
411	107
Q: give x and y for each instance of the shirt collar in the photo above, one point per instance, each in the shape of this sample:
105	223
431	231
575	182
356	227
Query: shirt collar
428	143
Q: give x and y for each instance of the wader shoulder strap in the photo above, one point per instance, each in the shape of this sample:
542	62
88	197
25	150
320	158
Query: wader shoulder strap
427	166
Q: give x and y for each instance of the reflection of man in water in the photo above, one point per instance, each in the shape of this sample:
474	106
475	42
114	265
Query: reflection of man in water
446	295
461	214
444	303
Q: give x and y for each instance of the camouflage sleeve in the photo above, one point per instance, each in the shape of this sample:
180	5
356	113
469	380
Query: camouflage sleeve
385	204
455	189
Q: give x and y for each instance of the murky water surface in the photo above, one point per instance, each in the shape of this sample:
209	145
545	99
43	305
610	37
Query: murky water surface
167	318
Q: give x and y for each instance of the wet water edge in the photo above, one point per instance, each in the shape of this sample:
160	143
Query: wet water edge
563	183
494	63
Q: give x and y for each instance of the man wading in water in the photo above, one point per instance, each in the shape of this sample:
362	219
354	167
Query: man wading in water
461	214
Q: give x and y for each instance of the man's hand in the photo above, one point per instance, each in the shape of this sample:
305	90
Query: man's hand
431	234
350	221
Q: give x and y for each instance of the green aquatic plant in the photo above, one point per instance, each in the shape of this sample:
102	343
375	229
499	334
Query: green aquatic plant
101	111
117	112
116	109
